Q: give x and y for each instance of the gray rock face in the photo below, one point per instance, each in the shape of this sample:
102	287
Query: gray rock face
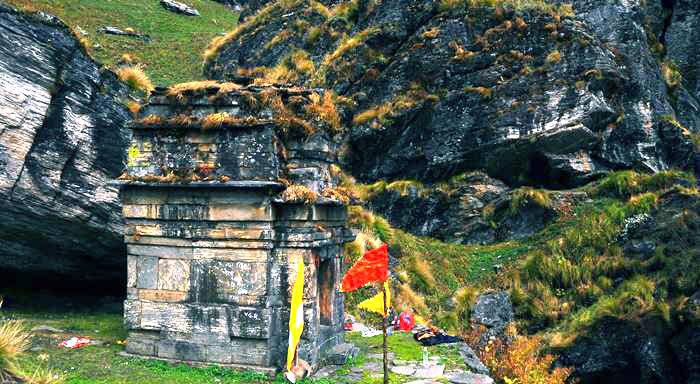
178	7
530	98
62	137
471	360
469	209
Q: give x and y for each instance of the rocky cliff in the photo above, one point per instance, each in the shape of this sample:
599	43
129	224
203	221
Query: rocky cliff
62	137
538	94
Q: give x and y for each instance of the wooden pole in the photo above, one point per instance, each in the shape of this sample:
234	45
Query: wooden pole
384	345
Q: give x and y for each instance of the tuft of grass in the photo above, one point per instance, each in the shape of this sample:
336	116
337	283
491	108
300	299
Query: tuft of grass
485	92
134	107
299	194
14	340
460	54
177	90
45	376
325	109
347	44
341	194
553	57
528	195
431	33
565	10
671	74
415	96
624	184
136	78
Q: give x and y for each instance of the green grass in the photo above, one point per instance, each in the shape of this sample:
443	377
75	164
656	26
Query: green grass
177	42
104	364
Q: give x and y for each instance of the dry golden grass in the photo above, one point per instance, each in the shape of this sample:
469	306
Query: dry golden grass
14	340
193	86
523	362
671	74
135	78
431	33
215	120
151	120
182	120
225	88
372	114
301	62
341	194
45	376
127	59
408	298
299	194
415	95
553	57
461	54
221	119
483	91
134	107
280	37
320	9
348	44
423	270
325	108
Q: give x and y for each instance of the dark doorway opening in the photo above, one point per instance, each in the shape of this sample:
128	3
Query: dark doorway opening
326	282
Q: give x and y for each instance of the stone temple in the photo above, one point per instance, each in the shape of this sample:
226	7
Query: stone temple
227	186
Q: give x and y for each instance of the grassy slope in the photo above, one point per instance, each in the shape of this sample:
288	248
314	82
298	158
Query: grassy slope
561	279
177	42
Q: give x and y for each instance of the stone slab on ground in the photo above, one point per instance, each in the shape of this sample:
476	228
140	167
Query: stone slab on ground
372	366
341	353
178	7
406	370
423	381
325	372
429	371
380	356
468	378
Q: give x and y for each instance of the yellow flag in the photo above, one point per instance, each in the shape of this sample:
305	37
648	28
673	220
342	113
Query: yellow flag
376	302
296	315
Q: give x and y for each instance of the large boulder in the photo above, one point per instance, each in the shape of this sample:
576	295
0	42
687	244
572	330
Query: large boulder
619	351
62	138
532	96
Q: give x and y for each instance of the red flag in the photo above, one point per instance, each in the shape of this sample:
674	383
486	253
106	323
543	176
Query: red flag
373	266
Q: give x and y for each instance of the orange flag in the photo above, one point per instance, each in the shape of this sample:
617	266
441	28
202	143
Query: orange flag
372	266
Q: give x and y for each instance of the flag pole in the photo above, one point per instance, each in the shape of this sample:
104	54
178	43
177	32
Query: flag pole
384	343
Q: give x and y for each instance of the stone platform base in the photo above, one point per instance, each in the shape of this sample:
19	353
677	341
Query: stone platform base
272	372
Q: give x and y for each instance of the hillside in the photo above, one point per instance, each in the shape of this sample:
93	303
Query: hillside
172	52
531	92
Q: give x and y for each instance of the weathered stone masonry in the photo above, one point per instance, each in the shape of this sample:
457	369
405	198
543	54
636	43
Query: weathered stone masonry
212	248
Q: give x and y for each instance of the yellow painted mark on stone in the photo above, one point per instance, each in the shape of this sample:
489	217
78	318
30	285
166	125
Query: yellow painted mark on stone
133	154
